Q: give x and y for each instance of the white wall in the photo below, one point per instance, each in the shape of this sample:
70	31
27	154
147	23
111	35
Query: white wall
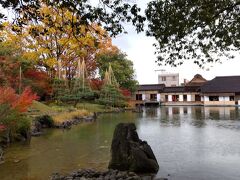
206	98
170	98
227	98
158	97
221	98
189	97
143	97
180	97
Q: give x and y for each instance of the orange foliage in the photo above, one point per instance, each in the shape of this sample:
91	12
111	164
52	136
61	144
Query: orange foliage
125	92
96	84
7	95
18	102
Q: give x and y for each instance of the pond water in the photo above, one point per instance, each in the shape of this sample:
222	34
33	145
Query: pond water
189	143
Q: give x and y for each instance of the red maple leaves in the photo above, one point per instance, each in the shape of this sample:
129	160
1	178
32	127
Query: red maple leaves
17	102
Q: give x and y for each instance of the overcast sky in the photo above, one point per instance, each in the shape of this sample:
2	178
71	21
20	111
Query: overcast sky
140	50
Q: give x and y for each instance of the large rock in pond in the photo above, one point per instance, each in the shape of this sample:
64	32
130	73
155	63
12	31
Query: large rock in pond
129	153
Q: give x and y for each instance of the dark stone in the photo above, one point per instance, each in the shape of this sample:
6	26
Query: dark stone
129	153
146	178
1	155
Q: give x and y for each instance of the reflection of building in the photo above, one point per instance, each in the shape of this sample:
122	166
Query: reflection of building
198	91
222	90
169	79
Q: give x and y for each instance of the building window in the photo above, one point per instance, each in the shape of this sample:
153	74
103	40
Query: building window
163	78
139	97
153	97
175	98
213	98
174	78
197	97
231	98
166	98
184	97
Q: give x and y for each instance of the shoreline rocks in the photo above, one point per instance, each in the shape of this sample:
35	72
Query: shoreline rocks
69	123
129	153
87	174
38	126
1	155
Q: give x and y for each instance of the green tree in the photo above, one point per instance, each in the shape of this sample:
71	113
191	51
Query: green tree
197	30
75	90
110	94
110	14
81	88
121	66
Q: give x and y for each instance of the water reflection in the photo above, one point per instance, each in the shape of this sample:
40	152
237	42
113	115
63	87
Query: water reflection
189	143
195	115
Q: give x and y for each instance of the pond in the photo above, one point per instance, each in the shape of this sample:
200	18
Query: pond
189	143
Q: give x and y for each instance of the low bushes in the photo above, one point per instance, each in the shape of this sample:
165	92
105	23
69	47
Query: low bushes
70	115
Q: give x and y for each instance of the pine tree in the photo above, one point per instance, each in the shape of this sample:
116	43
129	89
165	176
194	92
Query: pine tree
110	94
81	87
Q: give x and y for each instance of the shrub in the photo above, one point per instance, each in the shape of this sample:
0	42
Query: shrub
45	120
23	126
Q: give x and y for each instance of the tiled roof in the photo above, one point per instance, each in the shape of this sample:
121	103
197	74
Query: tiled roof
193	88
174	89
151	87
222	84
197	80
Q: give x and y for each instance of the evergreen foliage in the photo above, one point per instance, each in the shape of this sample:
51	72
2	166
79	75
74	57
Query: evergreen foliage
75	90
110	94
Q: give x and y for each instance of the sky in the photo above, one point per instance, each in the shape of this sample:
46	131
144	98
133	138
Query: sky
140	50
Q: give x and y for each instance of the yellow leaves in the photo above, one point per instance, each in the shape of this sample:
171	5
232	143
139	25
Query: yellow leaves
31	56
43	50
5	24
54	38
51	62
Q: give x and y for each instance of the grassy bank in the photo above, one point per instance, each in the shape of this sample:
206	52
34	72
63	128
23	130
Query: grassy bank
61	117
61	113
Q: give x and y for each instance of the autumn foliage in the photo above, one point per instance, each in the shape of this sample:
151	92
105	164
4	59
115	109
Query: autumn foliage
17	102
125	92
96	84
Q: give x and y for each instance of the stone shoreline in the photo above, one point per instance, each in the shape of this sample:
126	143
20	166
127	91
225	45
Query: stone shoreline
87	174
67	124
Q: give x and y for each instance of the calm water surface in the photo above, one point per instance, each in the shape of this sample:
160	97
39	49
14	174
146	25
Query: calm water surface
189	143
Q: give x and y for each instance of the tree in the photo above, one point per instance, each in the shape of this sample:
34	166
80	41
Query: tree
53	41
75	90
110	94
18	73
12	107
121	66
202	31
111	14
